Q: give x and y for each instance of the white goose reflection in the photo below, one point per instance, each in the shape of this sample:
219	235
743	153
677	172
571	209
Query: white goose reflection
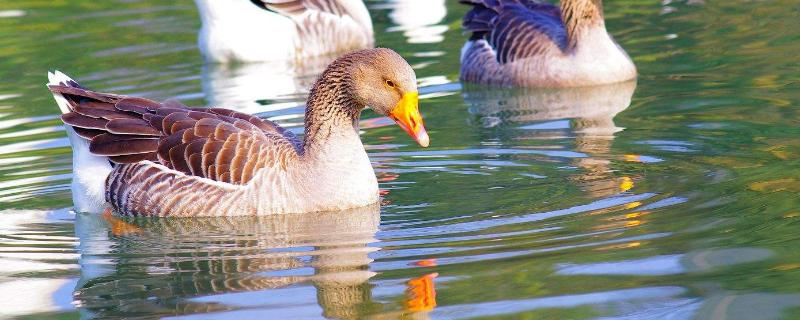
233	265
242	86
419	19
37	262
587	113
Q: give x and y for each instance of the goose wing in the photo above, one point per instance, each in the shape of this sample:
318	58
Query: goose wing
315	10
218	144
516	29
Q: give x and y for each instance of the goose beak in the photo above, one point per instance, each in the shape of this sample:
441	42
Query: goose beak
406	114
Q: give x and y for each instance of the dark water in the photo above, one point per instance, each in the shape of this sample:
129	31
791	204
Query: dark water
672	198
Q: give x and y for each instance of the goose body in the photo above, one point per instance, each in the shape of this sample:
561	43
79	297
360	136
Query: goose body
532	44
166	159
277	30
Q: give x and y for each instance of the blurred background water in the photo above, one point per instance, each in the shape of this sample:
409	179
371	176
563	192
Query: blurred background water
675	197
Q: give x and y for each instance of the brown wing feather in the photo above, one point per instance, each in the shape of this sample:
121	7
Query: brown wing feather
218	144
266	126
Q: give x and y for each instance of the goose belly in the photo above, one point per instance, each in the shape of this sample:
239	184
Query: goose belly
340	184
597	59
149	189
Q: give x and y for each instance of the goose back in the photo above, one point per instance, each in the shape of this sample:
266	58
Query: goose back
534	44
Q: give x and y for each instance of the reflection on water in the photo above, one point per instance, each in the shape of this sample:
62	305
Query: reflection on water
671	198
419	19
187	266
37	255
585	113
244	87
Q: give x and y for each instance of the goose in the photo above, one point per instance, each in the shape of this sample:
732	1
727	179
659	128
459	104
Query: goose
281	30
146	158
531	44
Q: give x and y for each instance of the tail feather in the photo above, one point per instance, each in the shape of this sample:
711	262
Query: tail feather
56	79
89	171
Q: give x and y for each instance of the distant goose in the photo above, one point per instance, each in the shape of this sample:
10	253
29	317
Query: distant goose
532	44
238	30
172	160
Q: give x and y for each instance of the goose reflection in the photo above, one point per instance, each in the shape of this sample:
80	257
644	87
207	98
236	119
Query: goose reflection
242	86
586	112
419	19
175	266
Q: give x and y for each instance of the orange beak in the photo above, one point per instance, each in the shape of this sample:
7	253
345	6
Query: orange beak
406	114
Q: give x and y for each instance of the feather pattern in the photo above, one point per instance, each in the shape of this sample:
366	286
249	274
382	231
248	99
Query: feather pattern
339	8
516	30
530	43
193	146
173	160
319	21
165	132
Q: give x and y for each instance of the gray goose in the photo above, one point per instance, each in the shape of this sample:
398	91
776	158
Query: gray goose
165	159
532	44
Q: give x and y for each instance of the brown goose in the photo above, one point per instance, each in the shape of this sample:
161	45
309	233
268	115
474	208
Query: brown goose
171	160
532	44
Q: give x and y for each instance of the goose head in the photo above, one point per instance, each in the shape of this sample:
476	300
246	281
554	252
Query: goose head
382	80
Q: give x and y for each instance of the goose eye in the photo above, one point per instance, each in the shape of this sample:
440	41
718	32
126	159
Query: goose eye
390	83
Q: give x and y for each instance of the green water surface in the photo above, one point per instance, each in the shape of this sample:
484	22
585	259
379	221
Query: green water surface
674	197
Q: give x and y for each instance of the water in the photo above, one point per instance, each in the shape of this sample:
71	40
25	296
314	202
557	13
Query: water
671	198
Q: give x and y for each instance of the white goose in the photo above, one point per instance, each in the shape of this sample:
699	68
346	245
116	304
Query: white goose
270	30
172	160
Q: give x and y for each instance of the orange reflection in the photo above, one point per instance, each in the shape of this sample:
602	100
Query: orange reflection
426	263
119	227
777	185
421	293
636	214
786	266
633	205
620	246
626	184
633	158
618	225
387	176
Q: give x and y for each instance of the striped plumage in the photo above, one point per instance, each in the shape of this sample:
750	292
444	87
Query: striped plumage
173	160
270	30
533	44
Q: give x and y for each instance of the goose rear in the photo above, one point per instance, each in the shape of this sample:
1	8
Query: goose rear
531	44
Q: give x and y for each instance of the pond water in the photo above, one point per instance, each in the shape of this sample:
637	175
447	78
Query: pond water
674	197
